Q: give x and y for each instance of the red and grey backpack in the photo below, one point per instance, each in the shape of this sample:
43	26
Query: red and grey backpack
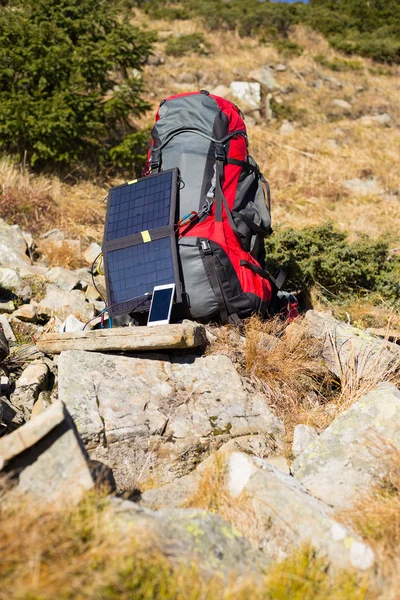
223	207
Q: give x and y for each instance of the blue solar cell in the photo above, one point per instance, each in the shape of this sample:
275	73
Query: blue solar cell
134	271
139	206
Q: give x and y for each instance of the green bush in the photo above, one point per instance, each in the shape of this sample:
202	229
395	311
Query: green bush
338	64
186	44
367	27
288	48
69	80
324	256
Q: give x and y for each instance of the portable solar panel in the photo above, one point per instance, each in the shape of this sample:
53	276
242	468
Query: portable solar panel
139	245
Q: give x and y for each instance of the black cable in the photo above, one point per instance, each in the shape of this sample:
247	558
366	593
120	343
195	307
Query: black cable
115	303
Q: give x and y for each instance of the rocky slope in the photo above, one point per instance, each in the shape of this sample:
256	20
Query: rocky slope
162	426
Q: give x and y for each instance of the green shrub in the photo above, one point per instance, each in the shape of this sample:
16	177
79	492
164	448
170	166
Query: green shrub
288	48
324	256
186	44
338	64
68	85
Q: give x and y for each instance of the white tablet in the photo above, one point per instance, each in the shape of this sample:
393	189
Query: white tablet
161	304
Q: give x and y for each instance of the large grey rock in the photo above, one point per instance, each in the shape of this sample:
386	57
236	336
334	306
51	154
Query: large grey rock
60	303
190	536
12	246
46	459
154	418
286	516
345	460
34	379
346	348
278	513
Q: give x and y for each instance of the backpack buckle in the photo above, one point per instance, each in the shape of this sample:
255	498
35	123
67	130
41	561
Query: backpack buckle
220	152
205	247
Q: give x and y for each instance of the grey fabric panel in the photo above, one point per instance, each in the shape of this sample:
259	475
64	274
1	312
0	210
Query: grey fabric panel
197	286
250	201
187	151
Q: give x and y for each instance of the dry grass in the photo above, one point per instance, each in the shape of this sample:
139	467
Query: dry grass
377	517
82	553
41	203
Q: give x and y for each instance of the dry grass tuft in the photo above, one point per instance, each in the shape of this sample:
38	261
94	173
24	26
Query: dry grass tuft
61	254
288	364
377	516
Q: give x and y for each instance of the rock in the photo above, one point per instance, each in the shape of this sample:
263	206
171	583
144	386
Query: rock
265	77
348	349
333	82
46	459
71	324
63	278
221	90
286	516
92	294
342	104
26	313
41	404
280	514
349	456
13	246
10	281
286	128
11	417
190	536
92	252
303	435
156	59
34	379
154	418
4	348
7	330
383	119
279	462
164	337
392	335
246	92
333	143
280	68
54	235
7	307
63	304
364	187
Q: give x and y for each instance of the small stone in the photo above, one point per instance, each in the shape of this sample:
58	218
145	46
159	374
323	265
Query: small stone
383	119
92	294
7	307
59	303
71	323
13	248
54	235
303	435
26	313
222	91
286	128
364	187
63	278
265	77
92	252
155	60
280	68
7	330
342	104
246	92
10	281
34	379
41	404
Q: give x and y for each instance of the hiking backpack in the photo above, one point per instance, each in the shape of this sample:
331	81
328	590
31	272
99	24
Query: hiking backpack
223	207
